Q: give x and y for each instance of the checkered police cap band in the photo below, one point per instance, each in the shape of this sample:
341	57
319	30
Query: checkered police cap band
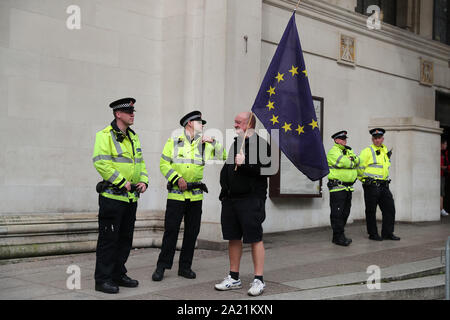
123	105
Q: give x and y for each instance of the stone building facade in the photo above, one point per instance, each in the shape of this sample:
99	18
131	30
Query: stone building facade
175	56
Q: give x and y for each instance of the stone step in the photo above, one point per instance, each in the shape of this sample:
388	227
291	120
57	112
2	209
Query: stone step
424	288
64	233
423	280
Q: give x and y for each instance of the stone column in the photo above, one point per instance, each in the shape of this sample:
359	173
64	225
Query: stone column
426	19
415	166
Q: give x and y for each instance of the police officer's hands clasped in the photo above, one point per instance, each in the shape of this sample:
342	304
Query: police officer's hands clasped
141	187
182	184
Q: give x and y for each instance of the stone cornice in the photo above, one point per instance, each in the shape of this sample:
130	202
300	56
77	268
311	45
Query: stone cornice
355	22
406	124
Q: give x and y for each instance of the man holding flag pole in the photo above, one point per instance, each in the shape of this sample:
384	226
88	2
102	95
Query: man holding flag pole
243	179
285	107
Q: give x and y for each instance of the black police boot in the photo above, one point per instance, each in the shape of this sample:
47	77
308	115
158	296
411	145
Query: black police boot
349	240
158	275
375	237
126	281
107	287
187	273
341	241
391	237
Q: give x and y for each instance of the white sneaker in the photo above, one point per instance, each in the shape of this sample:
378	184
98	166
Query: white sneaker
256	288
444	213
228	284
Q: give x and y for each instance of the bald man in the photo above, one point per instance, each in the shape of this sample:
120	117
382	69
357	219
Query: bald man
243	196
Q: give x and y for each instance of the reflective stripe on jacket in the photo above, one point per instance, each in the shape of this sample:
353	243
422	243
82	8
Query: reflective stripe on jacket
374	164
342	168
119	161
182	158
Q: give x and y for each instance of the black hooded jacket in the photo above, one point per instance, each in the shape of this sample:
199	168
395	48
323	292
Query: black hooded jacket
247	181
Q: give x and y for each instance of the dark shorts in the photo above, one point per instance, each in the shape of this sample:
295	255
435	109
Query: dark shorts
242	219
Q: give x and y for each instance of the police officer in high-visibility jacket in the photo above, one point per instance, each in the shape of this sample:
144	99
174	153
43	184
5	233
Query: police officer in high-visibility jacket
118	159
343	164
374	175
182	163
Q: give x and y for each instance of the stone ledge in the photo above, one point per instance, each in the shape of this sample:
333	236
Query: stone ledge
212	245
406	124
62	233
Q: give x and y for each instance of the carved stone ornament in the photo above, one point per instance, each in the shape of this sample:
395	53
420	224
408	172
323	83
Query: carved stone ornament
347	50
426	72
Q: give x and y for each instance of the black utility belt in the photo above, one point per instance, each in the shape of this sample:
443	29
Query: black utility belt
376	182
334	183
190	186
108	187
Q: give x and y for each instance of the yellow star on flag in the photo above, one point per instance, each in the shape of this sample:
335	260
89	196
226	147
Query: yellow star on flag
294	70
314	124
279	77
287	127
270	105
274	119
271	91
300	129
305	72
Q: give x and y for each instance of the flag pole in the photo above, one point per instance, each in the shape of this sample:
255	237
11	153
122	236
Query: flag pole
245	136
298	3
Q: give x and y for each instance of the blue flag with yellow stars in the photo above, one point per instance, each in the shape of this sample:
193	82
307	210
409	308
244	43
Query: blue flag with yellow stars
284	102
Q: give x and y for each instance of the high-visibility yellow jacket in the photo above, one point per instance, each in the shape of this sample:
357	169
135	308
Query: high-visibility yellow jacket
182	158
118	159
342	167
375	163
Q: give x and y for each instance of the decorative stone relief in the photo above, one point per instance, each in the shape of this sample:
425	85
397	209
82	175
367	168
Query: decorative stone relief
347	50
426	72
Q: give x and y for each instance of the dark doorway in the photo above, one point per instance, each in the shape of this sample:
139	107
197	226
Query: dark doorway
443	116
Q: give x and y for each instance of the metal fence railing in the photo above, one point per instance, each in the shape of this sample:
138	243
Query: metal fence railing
447	270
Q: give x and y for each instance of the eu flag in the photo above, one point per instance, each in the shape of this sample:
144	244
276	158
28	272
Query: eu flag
284	102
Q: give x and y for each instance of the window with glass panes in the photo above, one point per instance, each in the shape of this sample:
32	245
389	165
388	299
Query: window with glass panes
441	21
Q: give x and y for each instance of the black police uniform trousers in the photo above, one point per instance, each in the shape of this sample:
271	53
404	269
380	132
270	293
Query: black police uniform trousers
115	238
379	195
175	211
340	204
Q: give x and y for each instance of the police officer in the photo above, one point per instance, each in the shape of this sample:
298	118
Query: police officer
374	175
343	164
182	163
118	159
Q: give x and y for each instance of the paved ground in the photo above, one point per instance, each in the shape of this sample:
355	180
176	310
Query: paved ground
293	260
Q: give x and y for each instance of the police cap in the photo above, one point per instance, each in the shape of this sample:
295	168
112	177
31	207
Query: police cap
377	132
192	116
125	103
340	135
